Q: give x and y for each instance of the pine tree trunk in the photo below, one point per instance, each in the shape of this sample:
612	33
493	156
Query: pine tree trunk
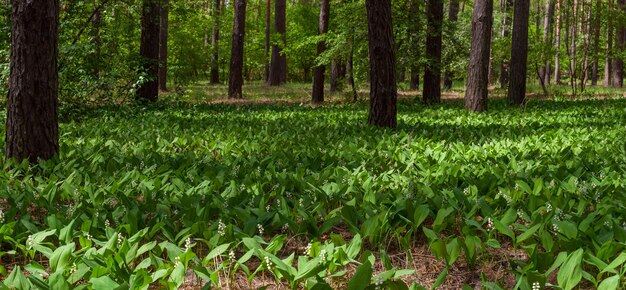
149	50
432	74
519	52
620	46
215	38
235	81
278	66
453	16
478	73
163	35
383	94
32	130
319	71
547	38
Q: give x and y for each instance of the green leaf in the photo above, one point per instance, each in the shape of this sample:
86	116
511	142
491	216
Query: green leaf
571	273
104	282
362	277
611	283
216	252
60	257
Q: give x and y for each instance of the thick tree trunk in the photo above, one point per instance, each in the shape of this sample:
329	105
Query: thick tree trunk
453	16
235	81
163	35
383	94
268	34
519	52
506	28
557	46
319	71
215	38
620	46
32	130
278	66
478	74
149	50
432	74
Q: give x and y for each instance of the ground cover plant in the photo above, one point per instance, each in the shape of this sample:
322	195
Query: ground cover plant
294	196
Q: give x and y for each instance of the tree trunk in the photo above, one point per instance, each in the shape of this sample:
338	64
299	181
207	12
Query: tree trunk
235	81
557	46
572	50
547	38
337	74
453	16
215	38
278	66
506	28
620	46
268	34
432	74
519	52
163	45
383	94
319	71
596	42
478	74
32	130
415	79
149	51
414	26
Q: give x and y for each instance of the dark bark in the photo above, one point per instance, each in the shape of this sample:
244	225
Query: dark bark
506	31
608	70
319	71
235	81
268	34
337	75
278	66
432	73
163	45
478	73
453	16
215	38
350	73
32	130
149	51
415	79
519	52
383	94
617	65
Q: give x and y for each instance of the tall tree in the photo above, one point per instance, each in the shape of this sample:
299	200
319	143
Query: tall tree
453	16
319	71
519	52
235	81
557	39
163	35
32	130
414	29
597	23
215	38
608	67
478	73
620	46
278	66
432	74
547	39
149	50
383	94
337	74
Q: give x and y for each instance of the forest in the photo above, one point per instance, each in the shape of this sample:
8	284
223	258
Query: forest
313	144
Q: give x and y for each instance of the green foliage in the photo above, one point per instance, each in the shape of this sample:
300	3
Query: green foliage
145	194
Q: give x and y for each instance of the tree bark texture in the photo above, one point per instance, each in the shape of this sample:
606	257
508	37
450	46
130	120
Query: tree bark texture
519	53
32	130
163	35
597	18
215	39
235	81
620	46
278	66
319	71
149	50
383	94
432	74
478	73
337	75
557	39
608	67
